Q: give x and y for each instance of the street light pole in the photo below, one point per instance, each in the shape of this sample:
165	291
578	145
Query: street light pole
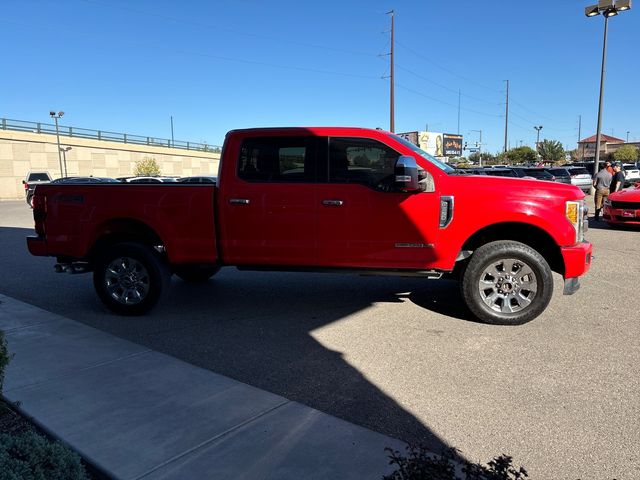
64	156
55	118
608	8
596	162
538	137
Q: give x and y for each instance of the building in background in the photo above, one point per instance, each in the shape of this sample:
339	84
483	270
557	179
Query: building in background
608	145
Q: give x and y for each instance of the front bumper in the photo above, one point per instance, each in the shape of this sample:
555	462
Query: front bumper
623	216
577	261
37	246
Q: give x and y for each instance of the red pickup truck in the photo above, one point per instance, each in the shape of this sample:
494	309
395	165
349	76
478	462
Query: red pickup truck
322	199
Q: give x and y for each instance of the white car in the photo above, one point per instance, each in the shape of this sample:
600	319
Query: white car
581	178
631	174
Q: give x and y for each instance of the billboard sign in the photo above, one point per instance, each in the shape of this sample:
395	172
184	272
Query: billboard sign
431	142
410	137
452	145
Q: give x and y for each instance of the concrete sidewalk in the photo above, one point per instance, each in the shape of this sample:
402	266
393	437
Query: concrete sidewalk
136	413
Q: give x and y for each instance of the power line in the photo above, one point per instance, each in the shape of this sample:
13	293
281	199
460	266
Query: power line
218	27
451	72
445	103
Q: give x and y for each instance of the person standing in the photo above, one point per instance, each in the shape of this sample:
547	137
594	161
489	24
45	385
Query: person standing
601	182
617	181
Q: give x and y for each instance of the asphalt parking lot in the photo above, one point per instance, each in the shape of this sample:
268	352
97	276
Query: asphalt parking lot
401	356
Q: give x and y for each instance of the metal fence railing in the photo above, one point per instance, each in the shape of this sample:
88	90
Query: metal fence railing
38	127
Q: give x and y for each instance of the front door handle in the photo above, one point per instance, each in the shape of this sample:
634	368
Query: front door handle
333	203
239	201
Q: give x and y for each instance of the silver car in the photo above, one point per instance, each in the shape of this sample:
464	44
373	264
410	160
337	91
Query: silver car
581	178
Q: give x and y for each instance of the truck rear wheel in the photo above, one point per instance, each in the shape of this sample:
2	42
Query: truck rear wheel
507	283
129	278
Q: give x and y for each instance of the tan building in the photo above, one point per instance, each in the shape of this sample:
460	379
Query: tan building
24	151
608	145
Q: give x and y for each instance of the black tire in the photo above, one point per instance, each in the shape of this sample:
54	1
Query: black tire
196	273
30	199
507	283
130	278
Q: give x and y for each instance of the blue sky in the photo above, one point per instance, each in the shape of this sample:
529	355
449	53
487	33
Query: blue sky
127	66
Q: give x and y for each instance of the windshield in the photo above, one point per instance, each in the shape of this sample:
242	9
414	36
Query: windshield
442	166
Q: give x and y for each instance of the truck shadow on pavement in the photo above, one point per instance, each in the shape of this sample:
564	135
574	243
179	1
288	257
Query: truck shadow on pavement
261	328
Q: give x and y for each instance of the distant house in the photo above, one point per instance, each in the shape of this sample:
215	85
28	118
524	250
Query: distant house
608	145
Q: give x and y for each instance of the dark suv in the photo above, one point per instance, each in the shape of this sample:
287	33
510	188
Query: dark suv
537	173
562	174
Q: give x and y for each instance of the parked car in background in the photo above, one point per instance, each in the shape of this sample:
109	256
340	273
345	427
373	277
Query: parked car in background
623	207
561	174
31	181
200	179
148	179
631	174
535	172
581	178
76	180
500	172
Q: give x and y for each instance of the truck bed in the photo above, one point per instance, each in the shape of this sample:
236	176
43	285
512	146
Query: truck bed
180	217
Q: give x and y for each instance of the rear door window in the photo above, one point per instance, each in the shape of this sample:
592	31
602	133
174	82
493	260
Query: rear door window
279	159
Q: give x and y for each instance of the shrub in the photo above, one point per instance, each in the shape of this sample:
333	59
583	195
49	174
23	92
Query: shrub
146	167
32	457
420	464
4	358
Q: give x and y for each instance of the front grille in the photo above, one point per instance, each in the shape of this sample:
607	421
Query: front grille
626	205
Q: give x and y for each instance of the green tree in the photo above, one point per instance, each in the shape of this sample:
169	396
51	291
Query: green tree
626	154
551	151
487	158
521	155
147	167
574	155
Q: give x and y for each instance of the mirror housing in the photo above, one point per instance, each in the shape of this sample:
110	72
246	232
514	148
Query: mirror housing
406	174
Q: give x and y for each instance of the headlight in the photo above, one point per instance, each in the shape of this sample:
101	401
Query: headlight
574	212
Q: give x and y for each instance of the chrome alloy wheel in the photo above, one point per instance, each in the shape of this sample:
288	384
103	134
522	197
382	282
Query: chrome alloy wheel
127	281
508	285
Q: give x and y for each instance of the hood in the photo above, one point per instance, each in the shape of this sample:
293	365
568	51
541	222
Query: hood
516	188
626	195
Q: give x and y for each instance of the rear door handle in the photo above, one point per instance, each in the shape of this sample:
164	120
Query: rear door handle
333	203
239	201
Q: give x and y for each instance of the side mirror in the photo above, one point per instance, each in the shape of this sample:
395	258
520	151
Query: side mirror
406	174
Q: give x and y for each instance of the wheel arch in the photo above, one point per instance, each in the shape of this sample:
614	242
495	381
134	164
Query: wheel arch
531	235
121	230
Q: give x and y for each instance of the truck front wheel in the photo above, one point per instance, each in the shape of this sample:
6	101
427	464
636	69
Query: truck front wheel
507	283
129	278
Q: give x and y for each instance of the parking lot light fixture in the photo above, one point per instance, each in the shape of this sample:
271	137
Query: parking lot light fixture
592	11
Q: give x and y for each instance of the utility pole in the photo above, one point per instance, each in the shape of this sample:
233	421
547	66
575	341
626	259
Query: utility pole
579	127
506	120
172	142
392	125
627	136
